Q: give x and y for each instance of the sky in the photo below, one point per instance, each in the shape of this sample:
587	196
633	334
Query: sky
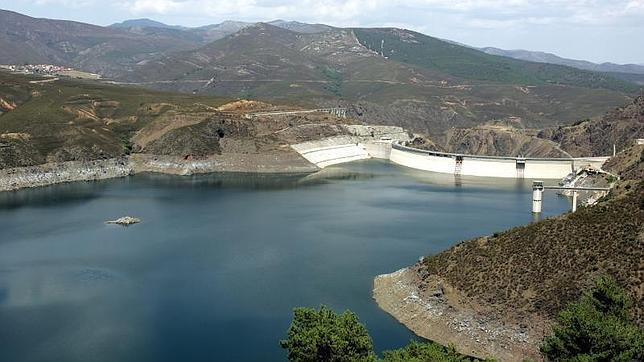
594	30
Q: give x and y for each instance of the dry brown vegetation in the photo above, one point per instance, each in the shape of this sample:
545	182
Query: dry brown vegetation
530	273
82	121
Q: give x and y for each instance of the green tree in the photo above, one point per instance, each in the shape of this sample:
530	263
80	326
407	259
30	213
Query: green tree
322	335
424	352
597	328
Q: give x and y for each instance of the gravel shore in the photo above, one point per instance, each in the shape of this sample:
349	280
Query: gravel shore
441	314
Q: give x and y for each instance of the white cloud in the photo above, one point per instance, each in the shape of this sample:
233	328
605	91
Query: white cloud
483	13
154	6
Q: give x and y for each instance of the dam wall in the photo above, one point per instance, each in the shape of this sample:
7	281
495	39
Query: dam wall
490	166
385	142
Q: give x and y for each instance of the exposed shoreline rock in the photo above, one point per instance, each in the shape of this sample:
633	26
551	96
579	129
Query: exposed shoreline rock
440	313
124	221
72	171
270	162
60	172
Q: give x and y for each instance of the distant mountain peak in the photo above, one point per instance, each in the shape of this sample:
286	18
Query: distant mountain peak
300	27
143	23
543	57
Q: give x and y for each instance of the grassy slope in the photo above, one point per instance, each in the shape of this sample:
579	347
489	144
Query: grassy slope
538	268
470	64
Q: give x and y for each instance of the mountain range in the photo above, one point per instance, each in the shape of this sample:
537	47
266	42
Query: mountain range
382	75
543	57
229	27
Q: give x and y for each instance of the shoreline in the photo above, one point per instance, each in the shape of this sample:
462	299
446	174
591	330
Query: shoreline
12	179
440	313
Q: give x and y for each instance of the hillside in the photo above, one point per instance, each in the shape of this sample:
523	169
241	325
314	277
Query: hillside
467	63
563	254
337	67
44	121
628	72
543	57
513	283
105	50
383	76
618	127
143	23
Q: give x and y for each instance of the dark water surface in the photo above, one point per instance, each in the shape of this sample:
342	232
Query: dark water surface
219	261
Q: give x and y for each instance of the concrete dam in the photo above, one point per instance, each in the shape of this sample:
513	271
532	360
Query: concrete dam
385	142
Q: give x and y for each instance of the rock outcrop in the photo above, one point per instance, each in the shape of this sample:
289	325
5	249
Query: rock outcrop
53	173
124	221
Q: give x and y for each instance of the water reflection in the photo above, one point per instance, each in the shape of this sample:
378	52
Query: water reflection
251	181
443	179
66	193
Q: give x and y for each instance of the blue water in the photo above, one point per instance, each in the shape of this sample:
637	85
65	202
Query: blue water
218	263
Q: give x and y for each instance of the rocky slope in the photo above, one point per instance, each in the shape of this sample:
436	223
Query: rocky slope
618	127
492	139
498	295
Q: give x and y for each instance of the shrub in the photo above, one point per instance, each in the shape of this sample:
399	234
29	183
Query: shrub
322	335
424	352
596	328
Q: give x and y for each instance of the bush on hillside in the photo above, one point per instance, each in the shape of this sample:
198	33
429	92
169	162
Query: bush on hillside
596	328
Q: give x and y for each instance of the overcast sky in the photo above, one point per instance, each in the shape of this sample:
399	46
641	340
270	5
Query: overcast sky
595	30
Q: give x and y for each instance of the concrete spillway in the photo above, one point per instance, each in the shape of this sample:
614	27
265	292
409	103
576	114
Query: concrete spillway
361	142
342	149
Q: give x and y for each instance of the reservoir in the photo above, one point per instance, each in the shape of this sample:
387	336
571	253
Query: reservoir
220	260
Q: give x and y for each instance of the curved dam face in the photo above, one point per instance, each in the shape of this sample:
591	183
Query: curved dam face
491	166
383	142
